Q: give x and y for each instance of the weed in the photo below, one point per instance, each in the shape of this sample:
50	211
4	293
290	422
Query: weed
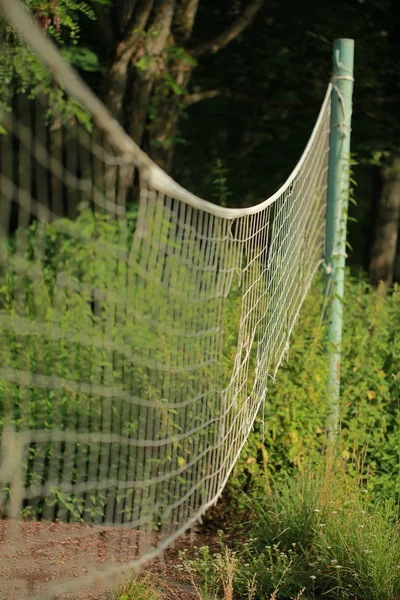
342	543
137	589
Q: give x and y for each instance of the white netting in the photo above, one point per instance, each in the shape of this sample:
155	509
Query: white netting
136	346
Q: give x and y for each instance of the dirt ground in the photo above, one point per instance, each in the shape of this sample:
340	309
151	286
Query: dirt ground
49	554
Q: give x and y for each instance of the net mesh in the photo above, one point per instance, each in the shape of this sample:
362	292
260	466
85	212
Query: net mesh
140	329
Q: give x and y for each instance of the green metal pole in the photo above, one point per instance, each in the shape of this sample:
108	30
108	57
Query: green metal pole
336	218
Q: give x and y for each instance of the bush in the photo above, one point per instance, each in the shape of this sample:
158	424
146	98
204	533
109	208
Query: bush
345	544
78	319
317	534
92	344
295	410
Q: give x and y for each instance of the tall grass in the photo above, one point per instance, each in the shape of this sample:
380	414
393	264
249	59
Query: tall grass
291	432
137	589
318	534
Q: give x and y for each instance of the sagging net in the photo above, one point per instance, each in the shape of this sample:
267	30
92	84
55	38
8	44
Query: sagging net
140	329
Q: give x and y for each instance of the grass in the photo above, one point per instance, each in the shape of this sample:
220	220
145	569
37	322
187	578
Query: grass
316	535
137	589
342	543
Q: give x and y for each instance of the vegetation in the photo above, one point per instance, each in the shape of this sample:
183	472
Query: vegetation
294	545
296	406
315	535
310	525
23	72
81	290
319	528
137	589
201	91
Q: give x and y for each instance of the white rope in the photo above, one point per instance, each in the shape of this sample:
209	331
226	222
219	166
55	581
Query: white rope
343	77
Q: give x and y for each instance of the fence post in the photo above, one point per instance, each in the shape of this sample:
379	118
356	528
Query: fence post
336	218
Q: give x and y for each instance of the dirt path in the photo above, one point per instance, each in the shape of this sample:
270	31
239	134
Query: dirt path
51	553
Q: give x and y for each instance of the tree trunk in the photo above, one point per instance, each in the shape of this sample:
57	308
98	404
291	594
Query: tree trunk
396	267
387	228
142	83
150	73
116	80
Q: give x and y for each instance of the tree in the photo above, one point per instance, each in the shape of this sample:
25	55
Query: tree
153	57
266	91
151	54
387	228
22	72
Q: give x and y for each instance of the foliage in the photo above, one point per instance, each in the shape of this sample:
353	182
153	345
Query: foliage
294	416
293	432
342	538
137	589
213	575
205	564
266	96
91	299
222	191
21	70
318	534
270	96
